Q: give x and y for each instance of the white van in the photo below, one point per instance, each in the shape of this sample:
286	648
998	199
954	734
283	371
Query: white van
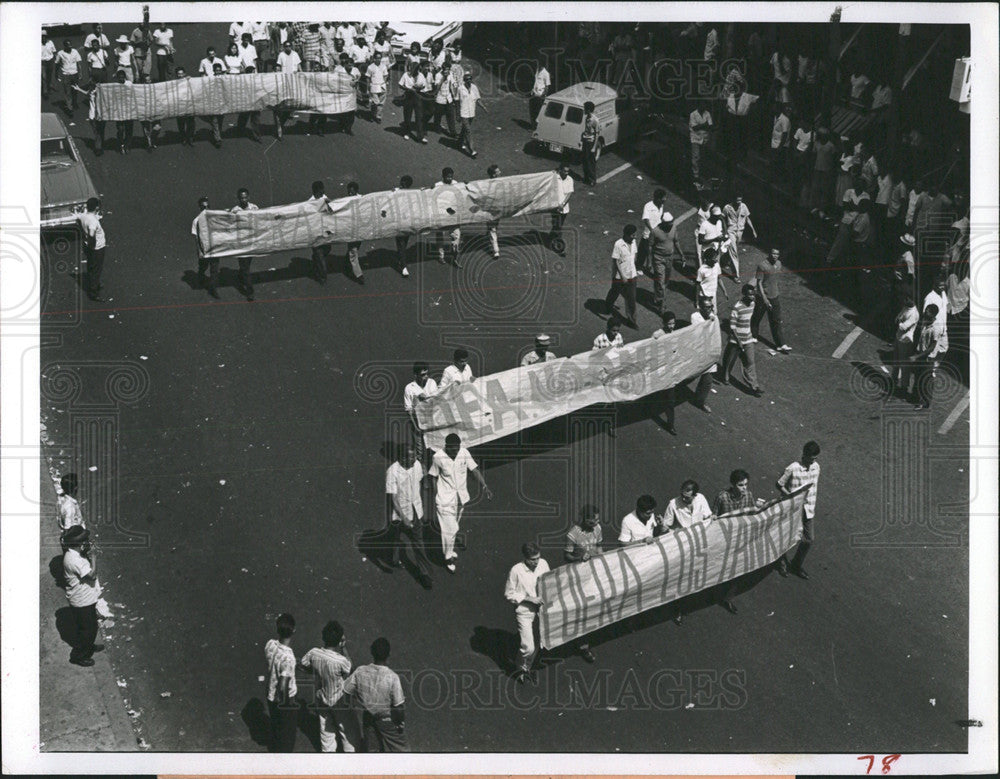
560	120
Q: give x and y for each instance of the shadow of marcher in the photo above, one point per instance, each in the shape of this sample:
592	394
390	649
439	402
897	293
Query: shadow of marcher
66	625
57	572
254	716
874	384
500	646
309	726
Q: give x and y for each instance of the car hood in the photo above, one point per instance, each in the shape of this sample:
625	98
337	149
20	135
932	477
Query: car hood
66	183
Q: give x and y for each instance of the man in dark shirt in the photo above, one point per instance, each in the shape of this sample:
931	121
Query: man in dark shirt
737	497
767	299
662	245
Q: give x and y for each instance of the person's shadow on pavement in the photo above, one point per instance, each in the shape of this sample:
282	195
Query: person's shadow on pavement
254	716
500	646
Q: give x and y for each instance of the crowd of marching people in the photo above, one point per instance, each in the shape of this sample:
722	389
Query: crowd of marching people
432	85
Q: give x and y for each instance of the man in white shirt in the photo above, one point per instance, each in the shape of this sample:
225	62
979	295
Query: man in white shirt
94	245
652	215
543	82
82	592
331	665
281	687
704	313
458	372
445	97
565	184
686	510
406	512
163	49
321	253
288	61
246	280
206	67
522	591
639	526
48	64
709	278
377	74
779	137
68	69
450	469
236	30
699	122
99	36
209	264
939	297
421	388
455	233
247	52
468	97
412	82
797	475
540	353
623	275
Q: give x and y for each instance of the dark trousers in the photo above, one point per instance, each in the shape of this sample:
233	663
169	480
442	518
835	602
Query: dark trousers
465	136
534	106
402	241
124	131
660	270
48	68
164	66
347	122
98	127
923	389
589	162
773	318
411	108
381	735
245	278
249	122
284	726
447	110
425	113
401	536
185	126
84	630
702	389
620	287
99	75
212	266
319	258
95	264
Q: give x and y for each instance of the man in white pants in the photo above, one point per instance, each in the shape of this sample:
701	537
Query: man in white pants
450	469
331	665
522	591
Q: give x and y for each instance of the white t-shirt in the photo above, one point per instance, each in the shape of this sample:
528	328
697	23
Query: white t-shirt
164	40
76	568
802	139
542	82
207	66
289	61
697	318
102	41
378	76
124	56
686	516
939	299
522	583
634	529
696	118
780	132
234	64
651	214
404	483
413	391
48	51
467	97
565	190
452	476
708	279
236	30
90	223
69	511
97	58
68	61
444	85
452	375
624	257
708	230
248	56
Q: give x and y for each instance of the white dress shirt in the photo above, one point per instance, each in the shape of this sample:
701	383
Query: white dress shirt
523	583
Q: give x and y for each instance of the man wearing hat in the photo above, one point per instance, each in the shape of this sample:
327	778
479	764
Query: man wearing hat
541	353
662	245
83	592
124	58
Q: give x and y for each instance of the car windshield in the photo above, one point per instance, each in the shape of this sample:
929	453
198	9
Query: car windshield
574	114
56	151
554	110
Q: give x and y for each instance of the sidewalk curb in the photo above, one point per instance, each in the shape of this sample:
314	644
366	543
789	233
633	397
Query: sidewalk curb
110	728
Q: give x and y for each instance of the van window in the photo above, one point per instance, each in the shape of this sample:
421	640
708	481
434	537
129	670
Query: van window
574	114
553	110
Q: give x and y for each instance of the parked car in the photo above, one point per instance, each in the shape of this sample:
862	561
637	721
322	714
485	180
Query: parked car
560	119
424	33
66	184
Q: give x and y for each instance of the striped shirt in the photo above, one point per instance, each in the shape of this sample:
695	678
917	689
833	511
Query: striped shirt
726	502
330	669
311	44
739	321
603	342
797	475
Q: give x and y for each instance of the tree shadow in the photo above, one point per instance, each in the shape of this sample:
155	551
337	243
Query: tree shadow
255	717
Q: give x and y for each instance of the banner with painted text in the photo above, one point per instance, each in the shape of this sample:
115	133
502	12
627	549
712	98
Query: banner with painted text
502	403
322	93
375	216
583	597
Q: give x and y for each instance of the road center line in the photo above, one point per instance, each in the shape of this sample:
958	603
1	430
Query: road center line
846	344
685	216
614	172
956	412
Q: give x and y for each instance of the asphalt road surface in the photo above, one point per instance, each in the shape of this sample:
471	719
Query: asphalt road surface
241	457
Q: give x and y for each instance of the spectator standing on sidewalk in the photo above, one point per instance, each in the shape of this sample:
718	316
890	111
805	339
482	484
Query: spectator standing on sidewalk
82	592
541	87
821	188
699	123
768	299
281	688
69	507
588	141
379	692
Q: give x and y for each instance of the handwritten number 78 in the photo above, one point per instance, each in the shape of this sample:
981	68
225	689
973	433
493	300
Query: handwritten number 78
887	762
